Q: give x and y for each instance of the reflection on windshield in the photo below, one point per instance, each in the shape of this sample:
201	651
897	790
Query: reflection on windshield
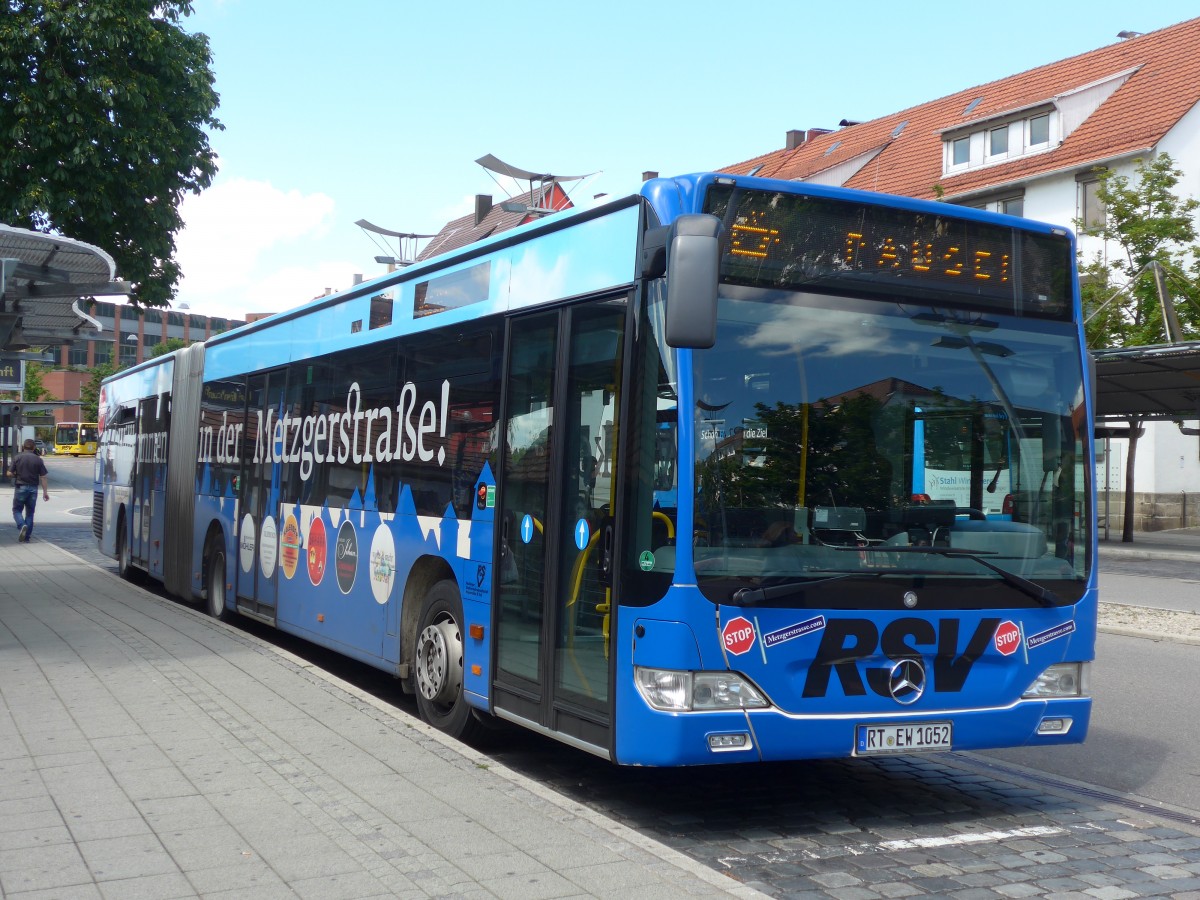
825	423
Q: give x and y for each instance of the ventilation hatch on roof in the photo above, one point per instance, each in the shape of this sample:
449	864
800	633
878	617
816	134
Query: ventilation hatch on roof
899	128
832	147
971	106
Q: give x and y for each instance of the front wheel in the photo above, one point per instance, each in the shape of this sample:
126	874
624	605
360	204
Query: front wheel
438	668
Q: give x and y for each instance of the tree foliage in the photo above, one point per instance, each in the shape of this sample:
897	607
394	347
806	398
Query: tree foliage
1154	229
167	346
1147	223
103	111
35	387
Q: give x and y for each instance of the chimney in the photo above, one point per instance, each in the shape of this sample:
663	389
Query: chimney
646	176
816	133
795	138
483	206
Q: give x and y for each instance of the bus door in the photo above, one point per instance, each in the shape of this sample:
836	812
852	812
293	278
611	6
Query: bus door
258	499
554	521
148	483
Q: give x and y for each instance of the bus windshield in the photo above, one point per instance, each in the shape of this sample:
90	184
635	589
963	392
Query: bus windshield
844	442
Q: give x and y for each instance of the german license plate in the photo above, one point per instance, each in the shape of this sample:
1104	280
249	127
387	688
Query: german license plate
911	737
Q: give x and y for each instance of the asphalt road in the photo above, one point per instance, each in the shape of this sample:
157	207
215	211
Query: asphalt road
1145	733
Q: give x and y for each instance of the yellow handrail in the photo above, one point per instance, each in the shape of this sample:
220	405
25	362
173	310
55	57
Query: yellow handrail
667	520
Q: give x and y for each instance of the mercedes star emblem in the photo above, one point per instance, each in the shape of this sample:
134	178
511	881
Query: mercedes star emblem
906	681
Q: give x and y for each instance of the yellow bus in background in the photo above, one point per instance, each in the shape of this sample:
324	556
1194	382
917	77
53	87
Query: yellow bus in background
76	438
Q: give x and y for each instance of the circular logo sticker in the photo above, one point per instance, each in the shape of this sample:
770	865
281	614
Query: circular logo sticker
317	550
246	543
289	550
268	547
345	562
383	564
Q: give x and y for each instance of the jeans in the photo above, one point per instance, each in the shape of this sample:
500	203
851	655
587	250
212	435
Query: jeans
24	503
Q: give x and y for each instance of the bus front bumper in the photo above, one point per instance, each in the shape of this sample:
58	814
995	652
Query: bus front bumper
657	738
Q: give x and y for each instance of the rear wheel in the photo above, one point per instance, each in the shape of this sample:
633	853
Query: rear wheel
215	604
438	668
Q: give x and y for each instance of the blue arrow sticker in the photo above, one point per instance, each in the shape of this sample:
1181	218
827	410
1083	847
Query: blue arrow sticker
582	533
527	528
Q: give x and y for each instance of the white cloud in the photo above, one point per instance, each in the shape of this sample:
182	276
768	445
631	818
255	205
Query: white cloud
248	246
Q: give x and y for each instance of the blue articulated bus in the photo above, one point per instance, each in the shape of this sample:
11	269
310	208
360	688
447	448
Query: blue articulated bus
642	477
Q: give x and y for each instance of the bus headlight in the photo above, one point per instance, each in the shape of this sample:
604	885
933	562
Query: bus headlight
674	691
1060	680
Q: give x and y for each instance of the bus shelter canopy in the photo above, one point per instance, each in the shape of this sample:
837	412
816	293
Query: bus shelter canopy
45	278
1159	382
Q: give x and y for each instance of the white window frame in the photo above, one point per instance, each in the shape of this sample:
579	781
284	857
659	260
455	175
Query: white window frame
1018	142
1086	186
1030	146
951	147
989	137
1003	202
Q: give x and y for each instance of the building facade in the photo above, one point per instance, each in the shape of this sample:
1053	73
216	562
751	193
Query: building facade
127	336
128	333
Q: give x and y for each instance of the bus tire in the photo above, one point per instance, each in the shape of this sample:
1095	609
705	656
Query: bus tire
438	668
125	567
214	603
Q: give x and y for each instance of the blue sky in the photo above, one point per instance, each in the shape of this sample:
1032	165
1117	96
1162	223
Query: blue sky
377	109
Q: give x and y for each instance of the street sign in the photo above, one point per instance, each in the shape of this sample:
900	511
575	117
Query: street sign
12	372
1008	638
738	635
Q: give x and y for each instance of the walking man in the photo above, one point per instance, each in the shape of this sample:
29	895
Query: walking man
28	471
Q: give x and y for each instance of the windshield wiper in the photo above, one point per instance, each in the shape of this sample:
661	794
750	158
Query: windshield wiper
1044	596
751	596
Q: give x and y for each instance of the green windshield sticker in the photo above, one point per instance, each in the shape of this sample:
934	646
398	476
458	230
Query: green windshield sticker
646	560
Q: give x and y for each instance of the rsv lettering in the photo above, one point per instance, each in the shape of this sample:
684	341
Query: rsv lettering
846	643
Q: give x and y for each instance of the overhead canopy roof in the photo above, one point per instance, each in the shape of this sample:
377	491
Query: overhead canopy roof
47	277
1156	382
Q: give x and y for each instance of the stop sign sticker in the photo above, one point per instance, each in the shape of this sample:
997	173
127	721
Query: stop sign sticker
737	636
1008	638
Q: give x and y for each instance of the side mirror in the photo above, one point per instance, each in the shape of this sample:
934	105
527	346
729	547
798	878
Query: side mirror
693	257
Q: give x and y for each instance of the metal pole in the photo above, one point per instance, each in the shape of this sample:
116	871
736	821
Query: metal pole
1107	482
1170	319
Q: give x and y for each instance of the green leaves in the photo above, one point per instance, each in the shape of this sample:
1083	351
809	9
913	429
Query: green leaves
1147	226
105	110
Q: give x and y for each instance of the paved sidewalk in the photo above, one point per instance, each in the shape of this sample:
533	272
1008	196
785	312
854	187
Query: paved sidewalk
1181	544
147	751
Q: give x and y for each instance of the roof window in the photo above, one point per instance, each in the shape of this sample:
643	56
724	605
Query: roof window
990	142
